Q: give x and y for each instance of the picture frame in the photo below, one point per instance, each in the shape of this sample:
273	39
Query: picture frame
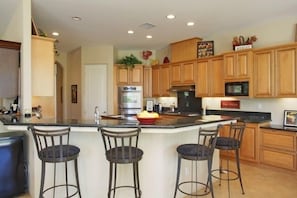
74	93
205	49
290	118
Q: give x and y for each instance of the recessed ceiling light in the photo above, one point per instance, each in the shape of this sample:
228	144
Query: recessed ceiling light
149	36
130	32
76	18
55	34
170	16
190	23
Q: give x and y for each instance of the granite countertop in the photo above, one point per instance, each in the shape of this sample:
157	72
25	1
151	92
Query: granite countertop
162	122
280	127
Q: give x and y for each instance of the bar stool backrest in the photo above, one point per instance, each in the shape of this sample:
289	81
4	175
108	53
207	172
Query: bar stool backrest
207	139
236	133
121	146
52	145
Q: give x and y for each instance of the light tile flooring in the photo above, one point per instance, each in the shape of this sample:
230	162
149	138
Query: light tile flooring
258	181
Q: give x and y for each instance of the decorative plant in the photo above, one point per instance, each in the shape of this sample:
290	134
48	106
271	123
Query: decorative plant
241	41
129	61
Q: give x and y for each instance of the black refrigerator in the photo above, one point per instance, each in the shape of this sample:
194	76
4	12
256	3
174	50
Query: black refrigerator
12	166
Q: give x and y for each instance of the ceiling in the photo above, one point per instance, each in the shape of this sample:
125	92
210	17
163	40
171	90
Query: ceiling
106	22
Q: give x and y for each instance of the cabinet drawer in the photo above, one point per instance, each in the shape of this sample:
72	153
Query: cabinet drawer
278	159
280	141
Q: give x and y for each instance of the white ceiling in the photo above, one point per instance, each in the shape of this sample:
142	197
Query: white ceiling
107	21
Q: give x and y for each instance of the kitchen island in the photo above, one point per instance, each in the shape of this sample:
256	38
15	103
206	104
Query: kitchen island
158	141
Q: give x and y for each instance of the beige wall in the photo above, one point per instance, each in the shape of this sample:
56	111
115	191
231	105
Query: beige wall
74	78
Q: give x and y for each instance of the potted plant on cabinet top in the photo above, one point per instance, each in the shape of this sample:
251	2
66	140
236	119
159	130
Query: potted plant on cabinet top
129	61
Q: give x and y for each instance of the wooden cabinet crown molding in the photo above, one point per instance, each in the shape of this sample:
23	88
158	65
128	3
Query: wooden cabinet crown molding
10	45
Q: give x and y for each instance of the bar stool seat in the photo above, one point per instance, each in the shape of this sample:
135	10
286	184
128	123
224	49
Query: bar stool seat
121	147
202	151
53	147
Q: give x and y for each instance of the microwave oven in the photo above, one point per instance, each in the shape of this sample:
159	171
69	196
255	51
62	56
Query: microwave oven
237	88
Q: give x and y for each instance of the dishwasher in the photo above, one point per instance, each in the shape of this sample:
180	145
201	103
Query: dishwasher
12	164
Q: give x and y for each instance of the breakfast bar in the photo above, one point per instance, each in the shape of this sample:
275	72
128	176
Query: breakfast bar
158	141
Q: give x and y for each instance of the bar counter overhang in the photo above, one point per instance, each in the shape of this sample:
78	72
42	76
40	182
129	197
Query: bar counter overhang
158	141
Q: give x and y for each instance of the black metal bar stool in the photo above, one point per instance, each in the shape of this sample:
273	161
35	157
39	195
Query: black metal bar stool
202	151
53	147
230	143
121	147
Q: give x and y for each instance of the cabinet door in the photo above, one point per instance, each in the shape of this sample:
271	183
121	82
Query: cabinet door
229	66
202	85
286	72
147	82
188	72
243	65
9	72
155	81
248	144
216	79
263	73
43	79
136	75
164	80
176	73
122	75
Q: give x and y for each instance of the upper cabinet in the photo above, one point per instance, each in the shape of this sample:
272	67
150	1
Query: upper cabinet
275	73
183	73
160	80
43	76
210	81
264	73
147	82
238	65
129	76
184	50
285	70
9	67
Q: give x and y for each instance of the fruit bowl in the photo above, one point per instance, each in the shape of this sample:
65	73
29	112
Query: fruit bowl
145	117
146	120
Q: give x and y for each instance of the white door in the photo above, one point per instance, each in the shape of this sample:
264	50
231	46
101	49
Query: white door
94	90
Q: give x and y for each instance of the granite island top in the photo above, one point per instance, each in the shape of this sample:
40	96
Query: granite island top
162	122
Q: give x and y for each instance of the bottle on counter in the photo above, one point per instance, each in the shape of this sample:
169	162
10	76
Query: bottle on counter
97	114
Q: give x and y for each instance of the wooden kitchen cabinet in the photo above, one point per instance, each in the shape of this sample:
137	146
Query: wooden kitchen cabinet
43	75
238	65
147	82
275	71
184	50
183	73
286	71
249	150
9	67
129	76
278	148
160	80
264	73
210	81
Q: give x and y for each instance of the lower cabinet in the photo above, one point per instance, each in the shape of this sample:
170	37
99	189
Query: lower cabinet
249	150
278	148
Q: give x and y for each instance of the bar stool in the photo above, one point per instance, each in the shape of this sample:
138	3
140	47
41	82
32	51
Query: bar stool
121	147
202	151
229	143
53	147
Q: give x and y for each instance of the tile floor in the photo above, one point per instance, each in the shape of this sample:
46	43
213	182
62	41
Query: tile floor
259	182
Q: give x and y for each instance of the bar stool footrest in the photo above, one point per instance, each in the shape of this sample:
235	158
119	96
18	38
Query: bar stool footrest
63	185
206	191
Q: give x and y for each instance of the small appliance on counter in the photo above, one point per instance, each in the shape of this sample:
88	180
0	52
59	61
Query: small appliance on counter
150	105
